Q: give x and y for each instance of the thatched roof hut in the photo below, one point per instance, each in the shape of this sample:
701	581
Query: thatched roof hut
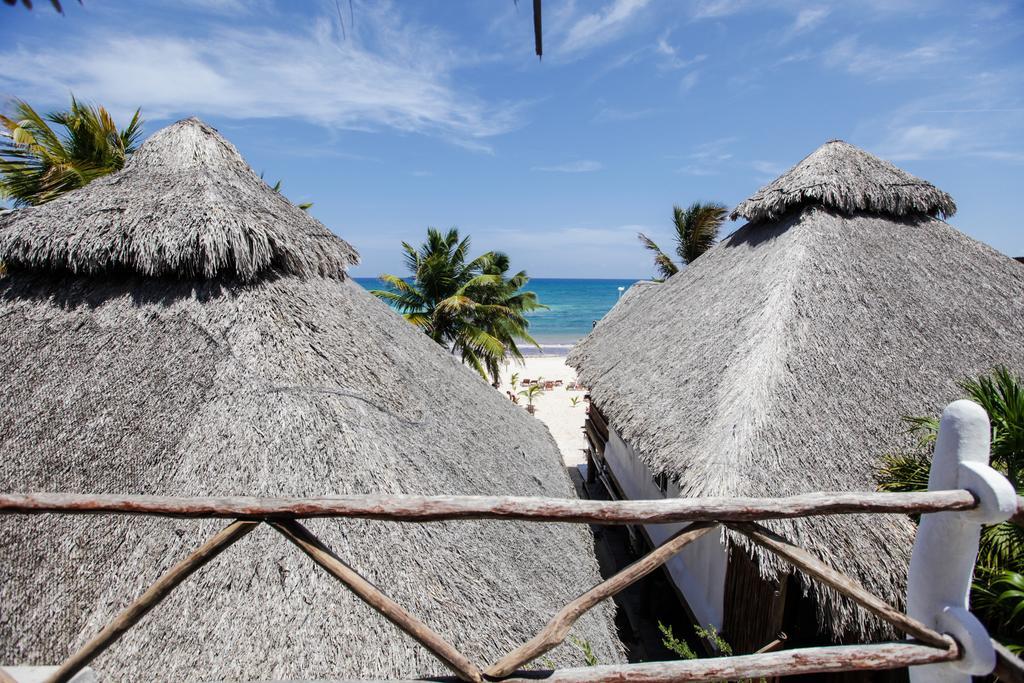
782	360
180	328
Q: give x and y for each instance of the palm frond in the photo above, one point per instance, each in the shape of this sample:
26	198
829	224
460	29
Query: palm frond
900	472
471	306
1002	547
697	228
662	262
37	164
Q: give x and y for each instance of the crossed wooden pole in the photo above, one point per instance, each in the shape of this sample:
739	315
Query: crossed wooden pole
282	515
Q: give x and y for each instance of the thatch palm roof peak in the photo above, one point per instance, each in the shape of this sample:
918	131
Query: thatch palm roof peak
847	179
185	205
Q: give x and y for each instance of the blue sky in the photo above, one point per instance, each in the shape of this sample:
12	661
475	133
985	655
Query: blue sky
437	113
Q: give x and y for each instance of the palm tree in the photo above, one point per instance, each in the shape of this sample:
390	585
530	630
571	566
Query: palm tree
696	231
506	294
998	591
467	305
37	164
530	393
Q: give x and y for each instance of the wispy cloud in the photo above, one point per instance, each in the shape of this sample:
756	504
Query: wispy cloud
577	251
909	143
707	158
768	170
688	81
614	115
981	119
582	166
601	27
713	150
878	63
715	9
671	57
692	169
388	74
807	19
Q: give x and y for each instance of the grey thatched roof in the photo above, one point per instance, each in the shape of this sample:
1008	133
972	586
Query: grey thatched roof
782	360
847	179
293	386
635	292
186	205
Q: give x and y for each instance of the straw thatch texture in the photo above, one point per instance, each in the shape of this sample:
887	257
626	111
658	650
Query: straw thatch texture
781	361
294	386
847	179
185	205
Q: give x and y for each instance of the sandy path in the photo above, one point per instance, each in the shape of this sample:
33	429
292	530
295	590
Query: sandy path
554	407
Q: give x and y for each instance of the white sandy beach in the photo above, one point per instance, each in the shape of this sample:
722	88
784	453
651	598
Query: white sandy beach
554	407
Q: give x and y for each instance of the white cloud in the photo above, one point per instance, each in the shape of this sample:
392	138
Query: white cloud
688	81
878	63
807	19
707	158
664	48
979	116
716	9
770	169
235	7
606	251
600	27
691	169
612	114
918	142
672	60
387	74
713	150
582	166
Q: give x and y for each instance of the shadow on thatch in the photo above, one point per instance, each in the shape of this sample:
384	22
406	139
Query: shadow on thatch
756	234
70	291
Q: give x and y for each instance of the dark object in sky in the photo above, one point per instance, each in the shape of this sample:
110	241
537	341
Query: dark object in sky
56	6
537	34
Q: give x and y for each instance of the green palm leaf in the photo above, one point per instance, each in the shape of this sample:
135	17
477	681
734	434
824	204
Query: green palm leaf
697	228
38	164
473	307
998	591
662	262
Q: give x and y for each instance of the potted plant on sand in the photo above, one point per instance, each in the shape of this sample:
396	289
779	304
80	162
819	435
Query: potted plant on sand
530	392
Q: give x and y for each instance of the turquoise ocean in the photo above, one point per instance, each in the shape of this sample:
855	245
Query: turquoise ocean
573	307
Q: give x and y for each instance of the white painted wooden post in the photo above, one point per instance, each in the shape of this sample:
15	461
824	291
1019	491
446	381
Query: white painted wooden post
946	546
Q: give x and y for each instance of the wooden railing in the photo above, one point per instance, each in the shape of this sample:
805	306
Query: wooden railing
987	498
738	514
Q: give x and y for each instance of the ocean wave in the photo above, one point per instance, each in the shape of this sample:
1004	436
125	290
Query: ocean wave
547	349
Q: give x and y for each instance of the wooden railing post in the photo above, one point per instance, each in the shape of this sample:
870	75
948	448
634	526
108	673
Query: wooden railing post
141	606
946	546
375	598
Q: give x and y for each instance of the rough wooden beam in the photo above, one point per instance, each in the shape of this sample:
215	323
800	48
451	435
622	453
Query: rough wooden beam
372	596
775	645
434	508
148	600
558	628
785	663
755	667
811	565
